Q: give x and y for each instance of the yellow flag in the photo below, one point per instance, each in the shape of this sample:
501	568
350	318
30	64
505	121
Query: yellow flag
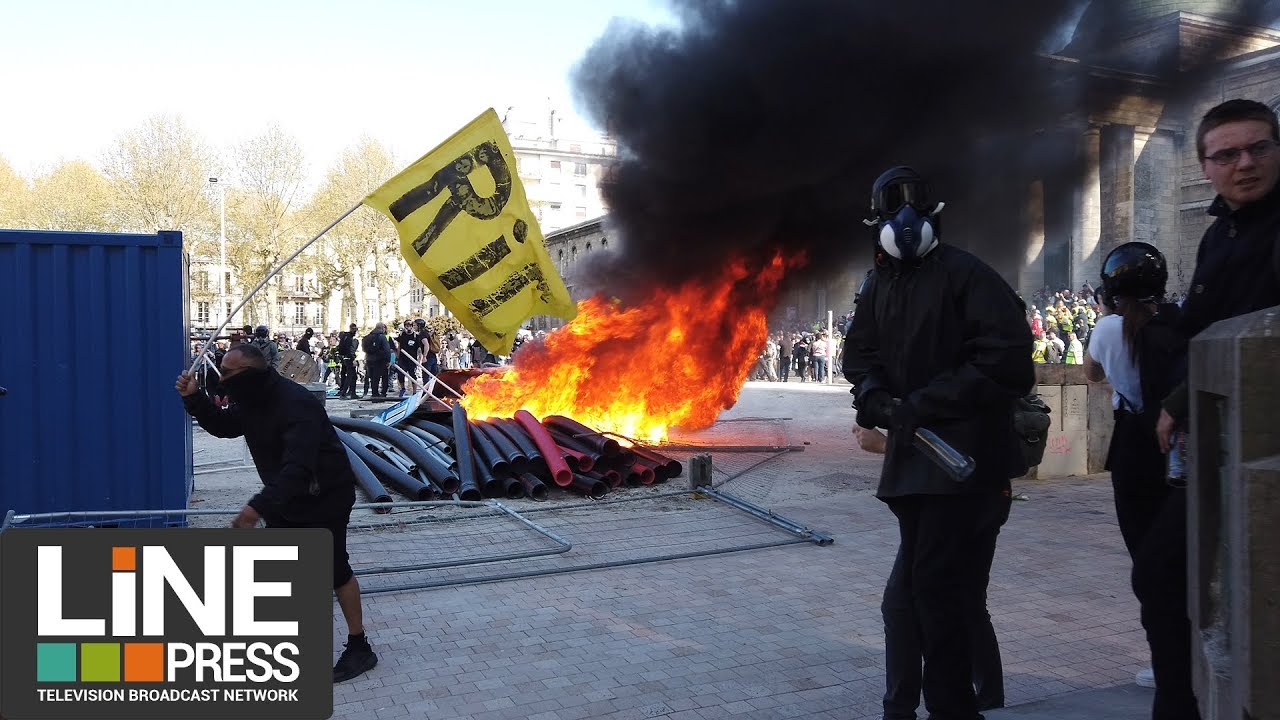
467	232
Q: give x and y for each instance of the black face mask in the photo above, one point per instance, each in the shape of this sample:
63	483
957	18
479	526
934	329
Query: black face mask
246	387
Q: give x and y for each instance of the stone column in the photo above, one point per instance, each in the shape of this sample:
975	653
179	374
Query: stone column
1233	500
1032	274
1116	201
1087	226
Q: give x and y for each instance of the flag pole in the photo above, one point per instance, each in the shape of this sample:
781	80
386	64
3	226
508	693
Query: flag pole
261	284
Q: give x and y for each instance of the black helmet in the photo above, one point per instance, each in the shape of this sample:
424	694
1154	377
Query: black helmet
1134	270
420	322
261	331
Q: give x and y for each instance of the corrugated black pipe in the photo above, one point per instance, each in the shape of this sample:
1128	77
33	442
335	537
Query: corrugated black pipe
468	489
512	487
515	458
604	445
487	453
516	434
437	470
404	484
436	492
487	479
610	477
368	483
568	442
433	445
659	469
435	428
587	485
533	487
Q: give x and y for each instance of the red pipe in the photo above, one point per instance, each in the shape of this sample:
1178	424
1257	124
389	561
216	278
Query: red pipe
585	461
560	472
645	472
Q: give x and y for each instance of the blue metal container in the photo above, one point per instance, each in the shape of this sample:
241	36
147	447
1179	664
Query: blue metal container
93	332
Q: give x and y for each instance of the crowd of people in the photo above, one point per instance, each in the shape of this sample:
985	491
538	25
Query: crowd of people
370	361
807	355
1062	323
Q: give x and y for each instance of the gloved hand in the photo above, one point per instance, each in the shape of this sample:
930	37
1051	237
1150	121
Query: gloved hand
875	408
904	420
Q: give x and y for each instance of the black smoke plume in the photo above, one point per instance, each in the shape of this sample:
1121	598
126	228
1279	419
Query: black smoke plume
761	124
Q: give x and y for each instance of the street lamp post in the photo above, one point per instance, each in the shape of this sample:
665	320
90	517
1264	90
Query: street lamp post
222	248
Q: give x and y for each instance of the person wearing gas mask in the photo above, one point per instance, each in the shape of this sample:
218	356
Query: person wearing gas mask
307	481
939	341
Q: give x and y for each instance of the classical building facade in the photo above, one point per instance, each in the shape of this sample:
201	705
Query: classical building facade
1135	138
561	175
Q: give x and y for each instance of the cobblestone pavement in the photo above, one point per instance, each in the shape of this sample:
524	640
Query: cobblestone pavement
792	631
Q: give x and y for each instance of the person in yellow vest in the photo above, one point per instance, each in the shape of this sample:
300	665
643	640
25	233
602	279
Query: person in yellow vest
1038	348
1075	350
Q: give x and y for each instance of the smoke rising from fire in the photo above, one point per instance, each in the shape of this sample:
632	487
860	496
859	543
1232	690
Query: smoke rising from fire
758	125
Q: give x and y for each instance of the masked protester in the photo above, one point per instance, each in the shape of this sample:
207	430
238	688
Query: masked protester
268	347
306	477
939	340
347	356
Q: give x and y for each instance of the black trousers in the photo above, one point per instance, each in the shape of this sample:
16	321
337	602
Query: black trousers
784	368
347	385
1138	472
377	371
935	605
1160	582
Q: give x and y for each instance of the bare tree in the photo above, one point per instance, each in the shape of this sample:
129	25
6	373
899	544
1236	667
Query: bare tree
352	248
159	172
15	196
262	213
73	196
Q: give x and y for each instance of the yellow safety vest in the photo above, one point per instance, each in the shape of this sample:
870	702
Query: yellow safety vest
1037	352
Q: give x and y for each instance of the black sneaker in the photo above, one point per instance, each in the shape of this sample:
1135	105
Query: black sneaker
357	659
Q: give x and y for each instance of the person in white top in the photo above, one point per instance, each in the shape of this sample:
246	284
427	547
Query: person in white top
1133	283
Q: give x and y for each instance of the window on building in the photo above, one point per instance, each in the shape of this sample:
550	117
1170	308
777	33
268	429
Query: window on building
299	313
580	169
417	294
370	279
575	147
560	255
373	314
202	281
299	283
555	206
202	313
227	313
555	189
226	277
319	323
280	313
431	311
588	247
580	212
555	165
582	190
604	242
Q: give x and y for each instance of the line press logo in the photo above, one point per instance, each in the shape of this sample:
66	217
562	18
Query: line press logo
152	623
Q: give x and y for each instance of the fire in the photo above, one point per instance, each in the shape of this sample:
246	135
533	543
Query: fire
676	360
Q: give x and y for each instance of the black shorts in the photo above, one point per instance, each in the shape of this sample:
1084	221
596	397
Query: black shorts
342	572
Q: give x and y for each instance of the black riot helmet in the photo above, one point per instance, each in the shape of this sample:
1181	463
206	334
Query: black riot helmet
261	331
1134	270
904	214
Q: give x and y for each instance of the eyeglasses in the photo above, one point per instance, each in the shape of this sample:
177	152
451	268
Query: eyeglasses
1230	156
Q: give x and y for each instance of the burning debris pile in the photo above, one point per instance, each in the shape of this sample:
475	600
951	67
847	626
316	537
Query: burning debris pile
497	457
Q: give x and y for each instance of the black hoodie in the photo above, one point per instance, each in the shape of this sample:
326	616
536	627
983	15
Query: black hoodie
306	475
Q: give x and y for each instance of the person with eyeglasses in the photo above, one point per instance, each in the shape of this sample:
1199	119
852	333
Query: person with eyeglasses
1237	272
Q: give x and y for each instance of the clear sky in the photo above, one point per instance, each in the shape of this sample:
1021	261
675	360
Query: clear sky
74	74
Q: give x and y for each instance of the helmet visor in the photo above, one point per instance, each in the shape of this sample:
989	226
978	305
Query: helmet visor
893	197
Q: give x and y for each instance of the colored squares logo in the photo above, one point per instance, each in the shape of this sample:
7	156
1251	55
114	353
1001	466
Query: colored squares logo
56	662
99	662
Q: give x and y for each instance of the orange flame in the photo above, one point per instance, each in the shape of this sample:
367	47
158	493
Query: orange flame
676	360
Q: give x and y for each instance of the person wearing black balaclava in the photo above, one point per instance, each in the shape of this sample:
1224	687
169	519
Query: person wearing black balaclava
307	481
939	341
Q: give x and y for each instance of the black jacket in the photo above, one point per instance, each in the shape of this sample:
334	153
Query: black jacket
306	476
347	345
951	338
1237	272
376	348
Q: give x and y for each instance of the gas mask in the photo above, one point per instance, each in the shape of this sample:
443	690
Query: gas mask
905	218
